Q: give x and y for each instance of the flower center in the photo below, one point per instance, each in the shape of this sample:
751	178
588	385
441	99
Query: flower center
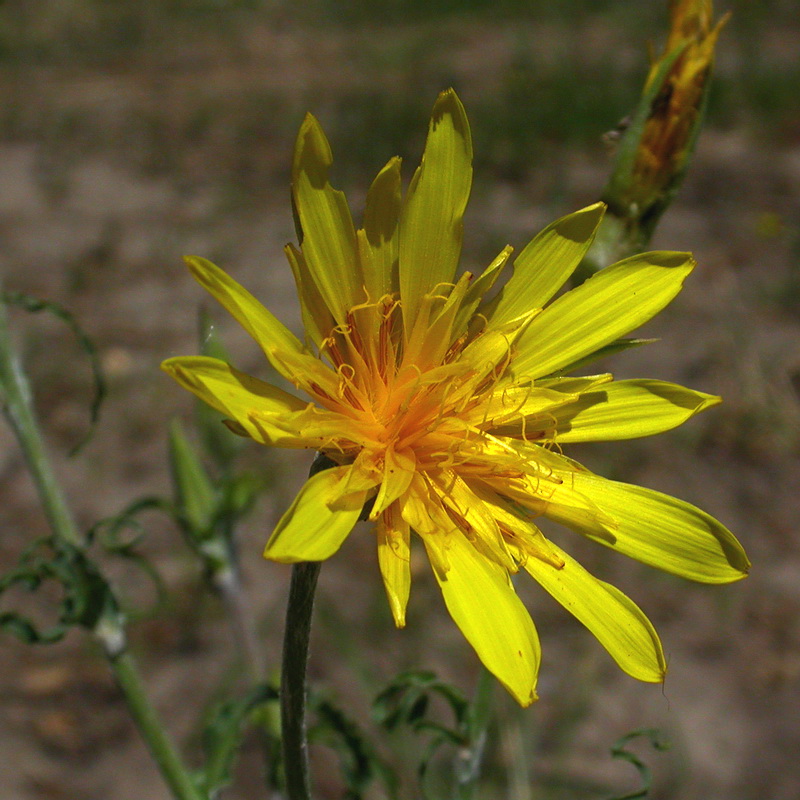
423	392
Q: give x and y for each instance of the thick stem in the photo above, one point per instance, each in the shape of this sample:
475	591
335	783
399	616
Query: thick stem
293	679
152	729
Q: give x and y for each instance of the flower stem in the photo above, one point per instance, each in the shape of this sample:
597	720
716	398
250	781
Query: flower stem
150	726
293	679
16	398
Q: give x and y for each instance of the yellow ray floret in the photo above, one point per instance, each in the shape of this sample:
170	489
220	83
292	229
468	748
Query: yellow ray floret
444	412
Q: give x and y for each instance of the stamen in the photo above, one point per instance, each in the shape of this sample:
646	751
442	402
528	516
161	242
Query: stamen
316	389
460	521
354	335
331	347
346	374
386	353
455	348
448	284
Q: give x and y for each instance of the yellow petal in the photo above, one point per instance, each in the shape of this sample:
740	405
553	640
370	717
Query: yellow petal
329	238
575	384
318	427
238	396
311	530
357	481
381	218
611	303
417	337
394	558
484	605
492	350
439	333
663	531
627	410
506	405
521	534
484	532
479	287
398	472
543	267
270	334
317	319
422	510
544	492
614	619
311	375
431	219
608	350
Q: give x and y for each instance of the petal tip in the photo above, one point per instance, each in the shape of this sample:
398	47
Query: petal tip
656	677
448	104
312	152
673	259
203	270
447	95
197	263
709	401
582	225
527	700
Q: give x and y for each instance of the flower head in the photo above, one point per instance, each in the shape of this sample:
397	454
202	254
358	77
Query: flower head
680	77
655	150
444	413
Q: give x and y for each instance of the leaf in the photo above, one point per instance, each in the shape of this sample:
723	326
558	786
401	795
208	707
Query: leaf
87	597
26	631
35	305
407	700
195	497
360	763
223	735
619	751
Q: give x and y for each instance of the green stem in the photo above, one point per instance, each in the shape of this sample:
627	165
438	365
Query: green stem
17	401
241	619
18	407
152	729
293	679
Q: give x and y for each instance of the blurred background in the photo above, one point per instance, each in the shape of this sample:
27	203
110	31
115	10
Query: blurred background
134	133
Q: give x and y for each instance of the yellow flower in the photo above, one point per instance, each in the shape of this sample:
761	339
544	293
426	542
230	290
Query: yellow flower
445	413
